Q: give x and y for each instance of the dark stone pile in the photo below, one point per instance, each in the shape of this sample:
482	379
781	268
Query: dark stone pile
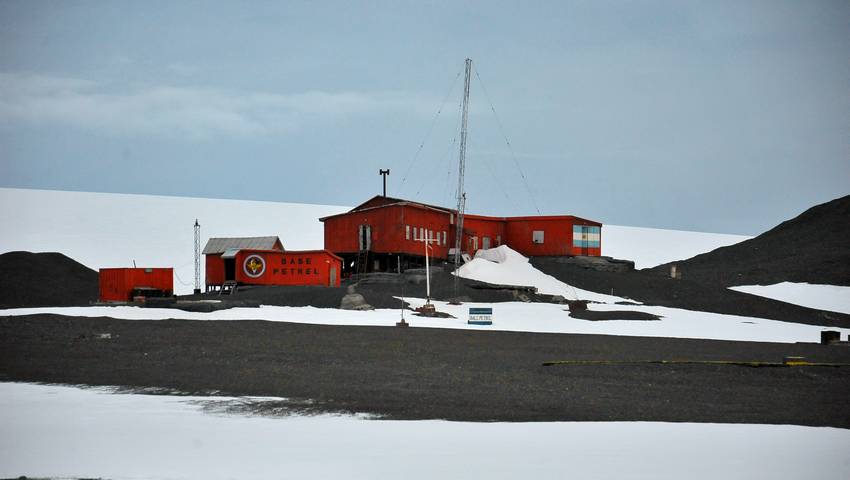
45	280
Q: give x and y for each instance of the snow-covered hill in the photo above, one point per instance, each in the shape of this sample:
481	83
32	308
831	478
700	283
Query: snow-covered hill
112	230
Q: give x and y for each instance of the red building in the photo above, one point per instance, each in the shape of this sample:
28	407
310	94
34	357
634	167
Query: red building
263	261
376	235
122	284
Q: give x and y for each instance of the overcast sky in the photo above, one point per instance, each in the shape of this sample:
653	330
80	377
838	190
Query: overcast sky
711	116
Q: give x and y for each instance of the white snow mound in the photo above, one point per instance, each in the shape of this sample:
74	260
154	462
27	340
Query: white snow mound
504	266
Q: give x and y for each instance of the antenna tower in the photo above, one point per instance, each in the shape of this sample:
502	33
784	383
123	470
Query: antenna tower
197	257
461	194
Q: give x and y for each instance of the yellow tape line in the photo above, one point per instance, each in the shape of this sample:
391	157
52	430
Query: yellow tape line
695	362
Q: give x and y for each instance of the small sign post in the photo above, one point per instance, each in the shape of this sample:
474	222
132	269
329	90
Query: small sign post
480	316
428	308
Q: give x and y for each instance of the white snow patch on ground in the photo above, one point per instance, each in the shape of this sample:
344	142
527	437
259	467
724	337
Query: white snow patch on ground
504	266
649	247
508	316
103	230
822	297
58	431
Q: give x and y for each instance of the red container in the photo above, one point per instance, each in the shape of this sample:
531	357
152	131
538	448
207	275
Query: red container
117	284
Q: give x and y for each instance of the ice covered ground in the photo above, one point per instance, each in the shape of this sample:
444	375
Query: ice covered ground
509	316
59	431
111	230
823	297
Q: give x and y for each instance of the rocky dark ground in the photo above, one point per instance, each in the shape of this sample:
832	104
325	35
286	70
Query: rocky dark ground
419	373
380	291
813	247
653	289
45	280
642	285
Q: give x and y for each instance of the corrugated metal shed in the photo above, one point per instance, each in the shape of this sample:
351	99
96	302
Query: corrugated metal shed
216	246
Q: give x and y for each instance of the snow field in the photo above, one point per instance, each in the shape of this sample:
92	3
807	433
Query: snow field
60	431
103	230
649	247
822	297
508	316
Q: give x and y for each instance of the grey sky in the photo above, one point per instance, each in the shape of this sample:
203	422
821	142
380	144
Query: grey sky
712	116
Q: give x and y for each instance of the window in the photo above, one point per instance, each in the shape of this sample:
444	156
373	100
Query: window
365	237
444	238
537	236
438	238
414	233
485	243
498	240
407	232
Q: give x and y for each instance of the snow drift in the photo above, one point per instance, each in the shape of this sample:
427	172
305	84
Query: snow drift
504	266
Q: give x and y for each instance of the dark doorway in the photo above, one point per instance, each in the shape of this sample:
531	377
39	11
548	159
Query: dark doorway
229	269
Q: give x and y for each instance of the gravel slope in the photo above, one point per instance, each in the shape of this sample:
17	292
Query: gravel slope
813	247
434	373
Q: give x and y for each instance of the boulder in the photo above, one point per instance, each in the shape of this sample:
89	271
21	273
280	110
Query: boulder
354	301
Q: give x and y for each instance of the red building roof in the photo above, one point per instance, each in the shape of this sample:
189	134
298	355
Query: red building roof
396	226
379	201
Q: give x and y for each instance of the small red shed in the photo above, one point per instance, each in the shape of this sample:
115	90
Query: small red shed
120	284
263	261
220	256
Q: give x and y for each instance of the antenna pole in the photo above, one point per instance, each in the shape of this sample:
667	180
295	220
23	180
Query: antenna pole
461	195
197	257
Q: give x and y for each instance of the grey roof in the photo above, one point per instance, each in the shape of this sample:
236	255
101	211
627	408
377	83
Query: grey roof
220	245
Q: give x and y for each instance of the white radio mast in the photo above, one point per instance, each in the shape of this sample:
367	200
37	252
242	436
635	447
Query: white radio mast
461	195
197	257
